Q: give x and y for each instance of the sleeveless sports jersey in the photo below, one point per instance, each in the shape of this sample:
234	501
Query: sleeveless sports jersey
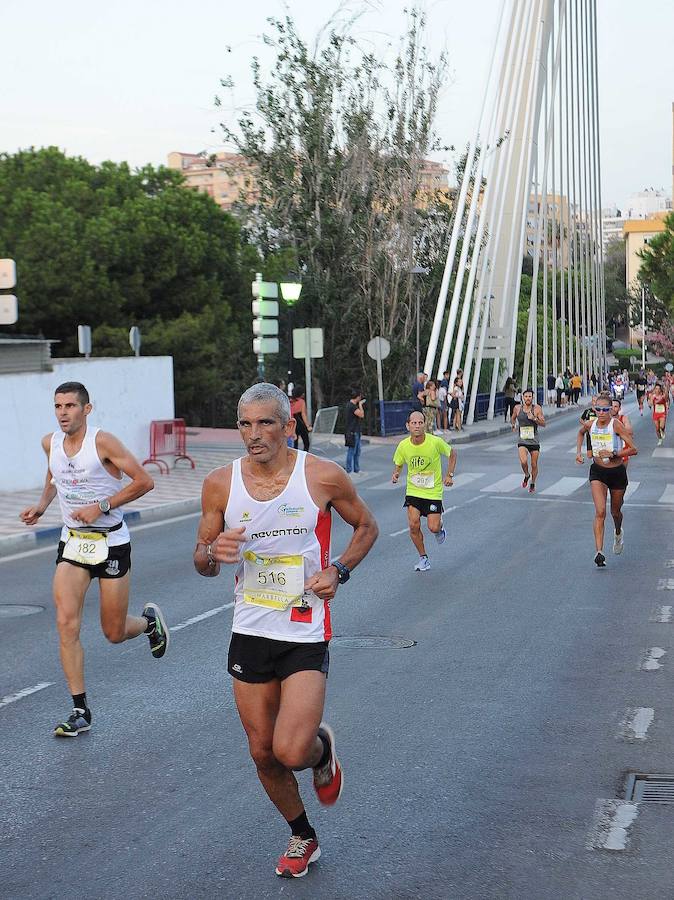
81	480
287	541
527	431
604	439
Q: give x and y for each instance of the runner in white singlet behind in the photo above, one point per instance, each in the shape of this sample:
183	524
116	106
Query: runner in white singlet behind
269	514
85	470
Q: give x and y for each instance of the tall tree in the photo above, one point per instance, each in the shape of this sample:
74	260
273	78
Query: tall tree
339	142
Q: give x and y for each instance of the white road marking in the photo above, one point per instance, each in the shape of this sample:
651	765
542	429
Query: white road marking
464	478
636	722
504	486
397	533
669	564
667	495
499	448
663	452
26	692
386	486
631	488
662	614
201	617
666	584
650	663
612	821
539	499
51	547
565	486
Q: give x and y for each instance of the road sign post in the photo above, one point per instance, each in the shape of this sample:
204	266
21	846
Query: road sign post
308	344
378	349
134	339
9	305
84	340
265	322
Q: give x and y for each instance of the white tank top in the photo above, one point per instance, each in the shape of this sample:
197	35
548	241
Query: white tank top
289	524
604	438
81	480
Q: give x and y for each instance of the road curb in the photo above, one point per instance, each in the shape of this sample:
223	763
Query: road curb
21	543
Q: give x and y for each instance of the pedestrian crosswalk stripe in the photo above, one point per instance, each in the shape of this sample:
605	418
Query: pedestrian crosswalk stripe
667	494
504	486
565	486
464	478
497	448
664	452
631	488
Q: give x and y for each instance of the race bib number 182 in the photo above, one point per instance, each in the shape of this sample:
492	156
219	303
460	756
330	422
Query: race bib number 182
86	548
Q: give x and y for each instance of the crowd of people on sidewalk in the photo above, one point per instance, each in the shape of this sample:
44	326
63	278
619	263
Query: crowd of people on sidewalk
441	403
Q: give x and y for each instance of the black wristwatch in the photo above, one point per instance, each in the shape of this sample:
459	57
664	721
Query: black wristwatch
343	574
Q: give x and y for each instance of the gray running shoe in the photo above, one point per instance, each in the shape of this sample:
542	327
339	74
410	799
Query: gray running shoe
423	565
618	543
77	722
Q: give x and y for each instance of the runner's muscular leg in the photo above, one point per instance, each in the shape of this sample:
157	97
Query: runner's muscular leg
616	508
599	492
434	522
414	522
116	624
70	587
296	742
534	465
258	706
524	459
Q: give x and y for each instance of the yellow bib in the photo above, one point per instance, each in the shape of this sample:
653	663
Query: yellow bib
275	582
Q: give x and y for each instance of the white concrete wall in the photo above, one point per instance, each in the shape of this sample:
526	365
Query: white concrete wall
126	394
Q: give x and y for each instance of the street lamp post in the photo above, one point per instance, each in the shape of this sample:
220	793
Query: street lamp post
418	270
290	291
643	327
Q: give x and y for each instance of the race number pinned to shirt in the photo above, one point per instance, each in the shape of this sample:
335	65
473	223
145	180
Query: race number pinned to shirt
601	442
86	548
660	409
275	582
527	433
423	481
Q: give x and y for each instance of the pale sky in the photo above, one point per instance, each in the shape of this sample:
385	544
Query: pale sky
134	79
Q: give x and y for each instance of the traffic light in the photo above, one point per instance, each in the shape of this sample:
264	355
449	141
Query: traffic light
265	321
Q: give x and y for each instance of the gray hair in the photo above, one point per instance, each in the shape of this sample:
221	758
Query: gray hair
266	393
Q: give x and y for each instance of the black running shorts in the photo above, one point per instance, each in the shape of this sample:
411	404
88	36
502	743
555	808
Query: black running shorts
425	506
615	477
258	659
116	565
532	448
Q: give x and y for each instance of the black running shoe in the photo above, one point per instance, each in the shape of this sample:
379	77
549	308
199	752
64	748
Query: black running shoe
600	560
159	635
76	723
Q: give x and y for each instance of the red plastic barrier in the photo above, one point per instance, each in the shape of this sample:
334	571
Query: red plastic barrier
168	437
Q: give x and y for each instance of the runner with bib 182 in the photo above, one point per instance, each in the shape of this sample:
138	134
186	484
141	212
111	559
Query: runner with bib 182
528	417
85	471
611	443
269	514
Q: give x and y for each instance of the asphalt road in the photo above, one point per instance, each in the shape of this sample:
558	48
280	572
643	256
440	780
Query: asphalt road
479	762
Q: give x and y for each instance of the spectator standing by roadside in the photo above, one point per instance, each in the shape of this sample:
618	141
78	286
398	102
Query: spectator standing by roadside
298	410
576	384
456	405
354	421
431	404
442	410
559	388
551	388
417	388
509	389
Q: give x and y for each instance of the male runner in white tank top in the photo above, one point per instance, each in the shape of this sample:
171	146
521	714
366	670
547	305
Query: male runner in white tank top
269	514
85	470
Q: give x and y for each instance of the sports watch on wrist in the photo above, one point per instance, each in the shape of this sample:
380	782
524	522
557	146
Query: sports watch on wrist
343	573
104	506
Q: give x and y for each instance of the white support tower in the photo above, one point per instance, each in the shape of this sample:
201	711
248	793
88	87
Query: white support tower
530	189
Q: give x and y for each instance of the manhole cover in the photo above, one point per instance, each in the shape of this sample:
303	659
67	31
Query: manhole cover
370	642
650	788
13	611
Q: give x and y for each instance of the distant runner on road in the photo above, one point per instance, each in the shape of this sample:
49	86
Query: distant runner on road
422	454
85	471
611	443
528	417
659	402
269	513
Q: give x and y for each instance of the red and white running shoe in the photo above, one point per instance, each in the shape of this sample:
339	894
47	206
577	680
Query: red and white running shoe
328	779
295	862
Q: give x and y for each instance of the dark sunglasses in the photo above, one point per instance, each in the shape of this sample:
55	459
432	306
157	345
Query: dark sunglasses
602	409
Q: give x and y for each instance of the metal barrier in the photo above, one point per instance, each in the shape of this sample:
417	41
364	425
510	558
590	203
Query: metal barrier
168	437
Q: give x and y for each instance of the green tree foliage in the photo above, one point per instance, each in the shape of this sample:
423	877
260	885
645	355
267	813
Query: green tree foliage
617	296
105	246
338	141
657	268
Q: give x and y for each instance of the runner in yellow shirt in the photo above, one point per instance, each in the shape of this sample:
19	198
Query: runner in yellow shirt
422	454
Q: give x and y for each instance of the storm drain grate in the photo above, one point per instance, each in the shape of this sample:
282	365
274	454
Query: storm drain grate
371	642
650	788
